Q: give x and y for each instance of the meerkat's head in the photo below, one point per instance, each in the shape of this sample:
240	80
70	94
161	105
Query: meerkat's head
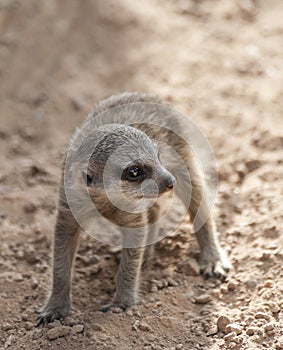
124	167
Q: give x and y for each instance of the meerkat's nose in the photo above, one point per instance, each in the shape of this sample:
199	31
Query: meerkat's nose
171	182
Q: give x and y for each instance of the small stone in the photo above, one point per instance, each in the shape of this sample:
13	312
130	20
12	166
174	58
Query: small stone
58	332
37	333
212	330
203	299
154	288
136	325
179	346
233	327
251	330
159	284
55	323
28	326
222	323
230	336
224	289
97	327
117	310
31	257
251	283
34	284
190	267
250	320
274	308
78	328
144	326
7	326
232	285
270	333
69	321
268	284
172	282
263	315
30	207
25	317
18	277
268	327
164	283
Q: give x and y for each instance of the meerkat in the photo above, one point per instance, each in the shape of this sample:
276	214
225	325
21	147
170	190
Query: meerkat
136	174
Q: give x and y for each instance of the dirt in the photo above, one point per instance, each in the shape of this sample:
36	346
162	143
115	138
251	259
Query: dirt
221	63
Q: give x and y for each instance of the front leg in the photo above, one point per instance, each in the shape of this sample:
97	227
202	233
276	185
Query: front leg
128	276
65	242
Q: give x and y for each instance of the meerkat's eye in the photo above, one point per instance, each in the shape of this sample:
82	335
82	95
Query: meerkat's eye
134	173
87	179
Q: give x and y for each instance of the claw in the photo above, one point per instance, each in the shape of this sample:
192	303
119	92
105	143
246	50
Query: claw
215	266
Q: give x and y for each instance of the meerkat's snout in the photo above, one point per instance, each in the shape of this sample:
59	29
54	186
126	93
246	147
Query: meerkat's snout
169	182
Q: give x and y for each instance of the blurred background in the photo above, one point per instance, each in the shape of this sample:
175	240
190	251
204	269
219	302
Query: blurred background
218	61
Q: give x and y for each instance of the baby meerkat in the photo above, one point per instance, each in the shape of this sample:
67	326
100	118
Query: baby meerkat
113	169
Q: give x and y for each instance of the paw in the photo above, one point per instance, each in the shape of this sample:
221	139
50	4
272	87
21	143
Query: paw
215	265
111	307
51	313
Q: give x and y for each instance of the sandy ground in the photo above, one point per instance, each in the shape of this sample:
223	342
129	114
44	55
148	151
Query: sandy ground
221	63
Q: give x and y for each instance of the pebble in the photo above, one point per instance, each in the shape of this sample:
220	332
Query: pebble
18	277
212	330
37	333
144	326
58	332
268	284
251	330
268	327
25	317
154	288
190	267
172	282
7	326
97	327
34	284
28	326
233	327
78	328
117	310
136	325
179	346
251	283
274	308
259	315
224	289
230	336
55	323
222	323
30	207
232	285
157	283
203	299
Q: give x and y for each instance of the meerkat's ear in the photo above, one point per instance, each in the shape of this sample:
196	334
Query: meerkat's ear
88	180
